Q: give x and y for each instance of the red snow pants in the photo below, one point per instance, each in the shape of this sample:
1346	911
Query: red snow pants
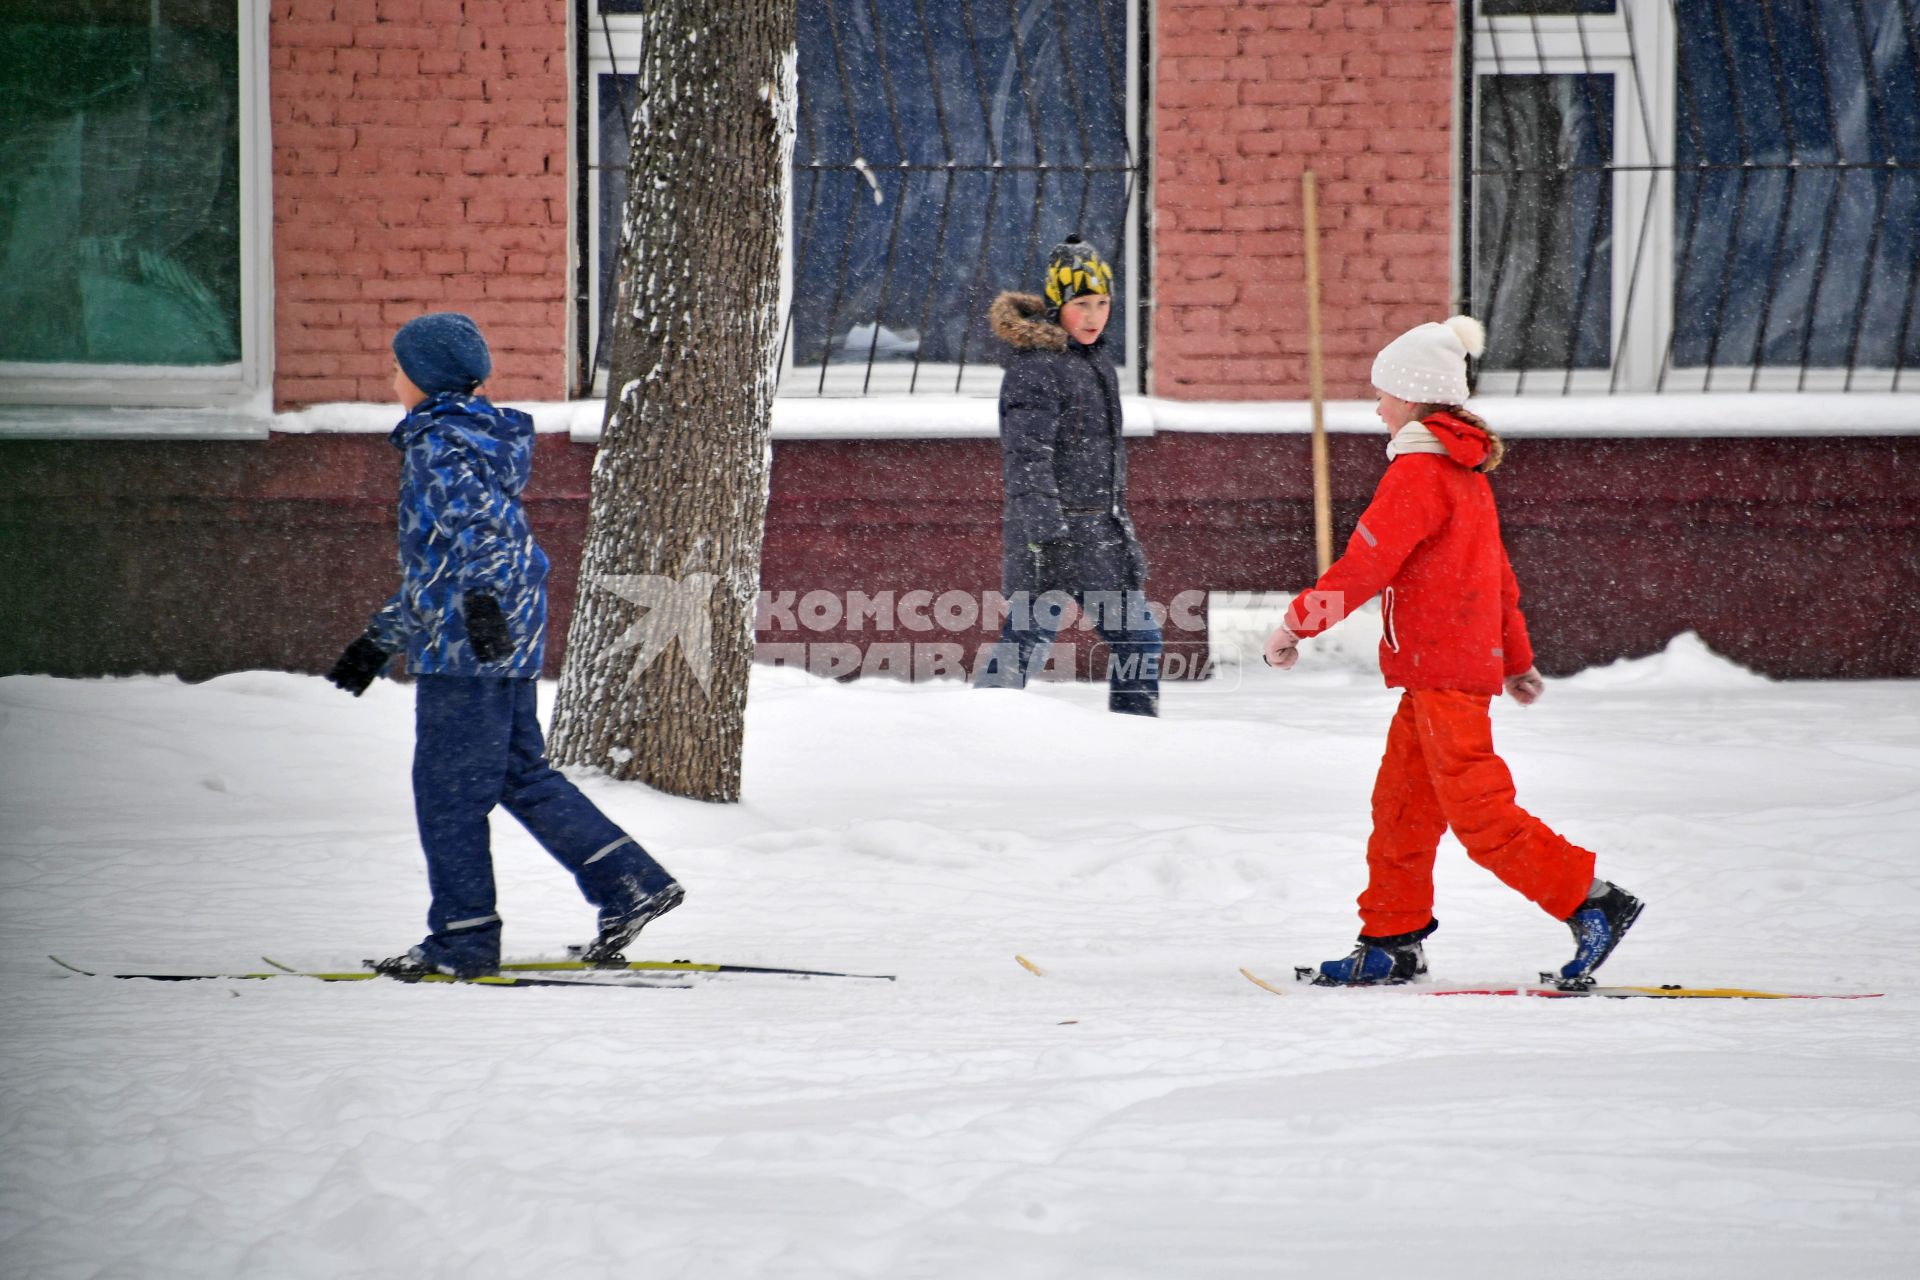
1440	771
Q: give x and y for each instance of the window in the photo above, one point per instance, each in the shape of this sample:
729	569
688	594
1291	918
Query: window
1711	195
1545	230
943	147
131	223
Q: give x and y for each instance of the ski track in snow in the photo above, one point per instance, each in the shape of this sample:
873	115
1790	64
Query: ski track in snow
1140	1111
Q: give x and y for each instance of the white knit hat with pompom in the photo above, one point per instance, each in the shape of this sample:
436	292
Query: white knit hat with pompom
1428	363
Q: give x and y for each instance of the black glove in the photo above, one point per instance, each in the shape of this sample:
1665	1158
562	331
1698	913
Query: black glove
359	665
487	629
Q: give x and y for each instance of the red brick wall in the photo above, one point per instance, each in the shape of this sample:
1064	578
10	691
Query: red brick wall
1248	94
419	164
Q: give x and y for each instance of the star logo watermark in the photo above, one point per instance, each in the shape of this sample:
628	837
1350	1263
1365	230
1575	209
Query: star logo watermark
670	609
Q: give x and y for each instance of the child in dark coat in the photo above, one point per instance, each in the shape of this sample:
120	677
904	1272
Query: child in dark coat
471	614
1429	546
1065	528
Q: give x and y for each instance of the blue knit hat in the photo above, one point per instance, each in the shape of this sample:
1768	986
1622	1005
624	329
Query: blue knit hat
442	351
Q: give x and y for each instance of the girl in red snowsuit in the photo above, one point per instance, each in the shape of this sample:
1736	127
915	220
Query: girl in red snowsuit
1429	546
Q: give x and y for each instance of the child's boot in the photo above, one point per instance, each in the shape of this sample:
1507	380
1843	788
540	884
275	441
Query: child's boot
619	927
1599	924
1384	961
418	962
1134	702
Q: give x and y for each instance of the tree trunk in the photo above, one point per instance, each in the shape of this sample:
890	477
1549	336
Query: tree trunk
655	683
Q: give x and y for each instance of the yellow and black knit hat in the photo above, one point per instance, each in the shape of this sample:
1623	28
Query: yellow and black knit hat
1074	270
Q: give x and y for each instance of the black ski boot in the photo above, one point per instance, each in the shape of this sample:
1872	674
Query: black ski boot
413	965
1375	962
408	966
1602	920
618	929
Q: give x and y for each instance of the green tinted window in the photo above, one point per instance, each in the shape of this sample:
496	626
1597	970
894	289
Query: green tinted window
120	182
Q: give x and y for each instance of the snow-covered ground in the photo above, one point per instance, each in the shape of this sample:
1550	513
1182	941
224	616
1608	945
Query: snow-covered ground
1139	1111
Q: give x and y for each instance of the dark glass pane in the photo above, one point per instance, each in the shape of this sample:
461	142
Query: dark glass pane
120	182
613	100
1544	8
1798	174
1543	220
918	191
912	273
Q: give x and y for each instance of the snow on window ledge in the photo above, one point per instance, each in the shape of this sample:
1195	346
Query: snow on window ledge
885	417
955	417
1758	413
1585	417
73	422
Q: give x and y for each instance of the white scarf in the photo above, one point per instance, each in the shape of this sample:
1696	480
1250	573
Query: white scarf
1413	438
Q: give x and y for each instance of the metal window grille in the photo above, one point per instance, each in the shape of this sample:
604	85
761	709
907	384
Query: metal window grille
1692	194
944	146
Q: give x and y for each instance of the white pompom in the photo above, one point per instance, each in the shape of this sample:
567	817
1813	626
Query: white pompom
1472	334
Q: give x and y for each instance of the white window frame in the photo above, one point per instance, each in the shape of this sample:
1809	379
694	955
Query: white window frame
615	48
1642	33
244	384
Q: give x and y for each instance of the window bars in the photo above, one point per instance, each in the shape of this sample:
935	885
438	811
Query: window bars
943	147
1692	194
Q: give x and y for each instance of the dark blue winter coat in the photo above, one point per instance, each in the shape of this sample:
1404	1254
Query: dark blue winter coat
464	532
1064	463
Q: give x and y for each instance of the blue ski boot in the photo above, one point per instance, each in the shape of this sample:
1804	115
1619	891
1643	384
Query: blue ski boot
1602	920
1386	961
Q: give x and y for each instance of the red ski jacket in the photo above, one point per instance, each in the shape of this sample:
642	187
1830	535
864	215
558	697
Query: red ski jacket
1429	546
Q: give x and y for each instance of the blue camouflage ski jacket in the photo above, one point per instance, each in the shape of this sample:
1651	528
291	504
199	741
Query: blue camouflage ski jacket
463	531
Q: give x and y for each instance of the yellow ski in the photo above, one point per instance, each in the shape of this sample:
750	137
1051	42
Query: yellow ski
1548	991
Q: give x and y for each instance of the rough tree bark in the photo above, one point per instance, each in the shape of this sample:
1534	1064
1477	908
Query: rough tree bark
655	683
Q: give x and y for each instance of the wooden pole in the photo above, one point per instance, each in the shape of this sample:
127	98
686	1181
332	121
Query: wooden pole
1322	481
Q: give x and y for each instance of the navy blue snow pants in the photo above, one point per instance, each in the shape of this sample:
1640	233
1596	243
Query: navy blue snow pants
1121	619
477	744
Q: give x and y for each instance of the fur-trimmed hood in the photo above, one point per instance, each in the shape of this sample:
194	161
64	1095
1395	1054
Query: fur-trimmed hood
1020	321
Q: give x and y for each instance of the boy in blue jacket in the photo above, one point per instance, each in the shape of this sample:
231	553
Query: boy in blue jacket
471	614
